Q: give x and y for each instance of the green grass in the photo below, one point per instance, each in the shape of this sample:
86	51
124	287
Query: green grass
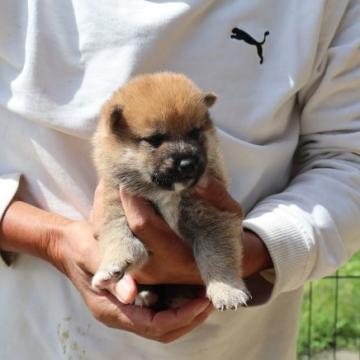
323	312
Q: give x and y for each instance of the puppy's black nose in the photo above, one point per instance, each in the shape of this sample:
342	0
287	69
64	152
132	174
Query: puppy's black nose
187	165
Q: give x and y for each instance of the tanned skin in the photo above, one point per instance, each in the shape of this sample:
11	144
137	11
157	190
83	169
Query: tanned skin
70	246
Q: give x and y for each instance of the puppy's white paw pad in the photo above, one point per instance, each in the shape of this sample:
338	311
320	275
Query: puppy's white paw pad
102	278
227	297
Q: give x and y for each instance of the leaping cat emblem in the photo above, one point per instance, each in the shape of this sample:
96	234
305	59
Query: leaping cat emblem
239	34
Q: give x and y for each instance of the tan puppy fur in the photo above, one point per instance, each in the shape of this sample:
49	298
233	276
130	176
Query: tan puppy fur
156	138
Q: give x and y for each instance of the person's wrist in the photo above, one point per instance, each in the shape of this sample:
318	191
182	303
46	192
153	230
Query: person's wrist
54	240
30	230
256	256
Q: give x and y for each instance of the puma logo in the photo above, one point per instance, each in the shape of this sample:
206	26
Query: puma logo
239	34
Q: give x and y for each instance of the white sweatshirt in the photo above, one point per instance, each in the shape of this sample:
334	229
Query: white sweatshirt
59	61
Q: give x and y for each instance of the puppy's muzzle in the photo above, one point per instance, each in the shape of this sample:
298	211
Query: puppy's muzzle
182	169
187	166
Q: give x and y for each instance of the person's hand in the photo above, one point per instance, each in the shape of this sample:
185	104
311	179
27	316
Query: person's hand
76	254
256	256
171	261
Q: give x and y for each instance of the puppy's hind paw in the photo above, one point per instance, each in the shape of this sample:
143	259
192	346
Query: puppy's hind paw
146	298
104	277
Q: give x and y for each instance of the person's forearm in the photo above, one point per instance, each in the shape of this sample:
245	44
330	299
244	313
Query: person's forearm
28	229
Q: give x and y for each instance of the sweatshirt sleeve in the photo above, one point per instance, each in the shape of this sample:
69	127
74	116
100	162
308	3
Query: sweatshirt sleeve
8	187
313	226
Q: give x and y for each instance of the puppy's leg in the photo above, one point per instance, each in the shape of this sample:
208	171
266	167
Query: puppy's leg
217	250
119	248
147	296
218	255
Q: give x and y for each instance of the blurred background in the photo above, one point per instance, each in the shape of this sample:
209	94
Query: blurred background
330	316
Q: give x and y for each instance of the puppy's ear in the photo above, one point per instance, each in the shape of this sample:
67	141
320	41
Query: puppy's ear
209	99
115	117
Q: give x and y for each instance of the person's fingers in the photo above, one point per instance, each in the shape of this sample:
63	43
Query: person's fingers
198	320
214	192
139	212
135	204
108	310
147	225
125	290
159	323
172	319
162	326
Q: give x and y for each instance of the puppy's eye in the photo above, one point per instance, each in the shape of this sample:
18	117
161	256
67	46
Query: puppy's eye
194	134
155	140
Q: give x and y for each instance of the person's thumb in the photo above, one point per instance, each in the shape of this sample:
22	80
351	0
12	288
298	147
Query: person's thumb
125	289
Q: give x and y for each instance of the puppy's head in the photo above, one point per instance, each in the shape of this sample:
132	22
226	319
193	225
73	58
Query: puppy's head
156	129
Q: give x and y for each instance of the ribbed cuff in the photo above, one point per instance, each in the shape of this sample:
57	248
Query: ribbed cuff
9	185
288	241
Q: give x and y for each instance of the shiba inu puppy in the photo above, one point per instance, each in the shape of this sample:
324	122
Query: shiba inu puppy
155	137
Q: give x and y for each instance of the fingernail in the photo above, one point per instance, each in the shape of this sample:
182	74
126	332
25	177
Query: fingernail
121	190
203	182
124	291
201	307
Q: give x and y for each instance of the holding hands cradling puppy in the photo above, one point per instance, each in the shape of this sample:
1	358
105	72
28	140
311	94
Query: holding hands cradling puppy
156	139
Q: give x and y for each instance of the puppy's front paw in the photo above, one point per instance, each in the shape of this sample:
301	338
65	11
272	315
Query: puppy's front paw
107	274
226	296
114	266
